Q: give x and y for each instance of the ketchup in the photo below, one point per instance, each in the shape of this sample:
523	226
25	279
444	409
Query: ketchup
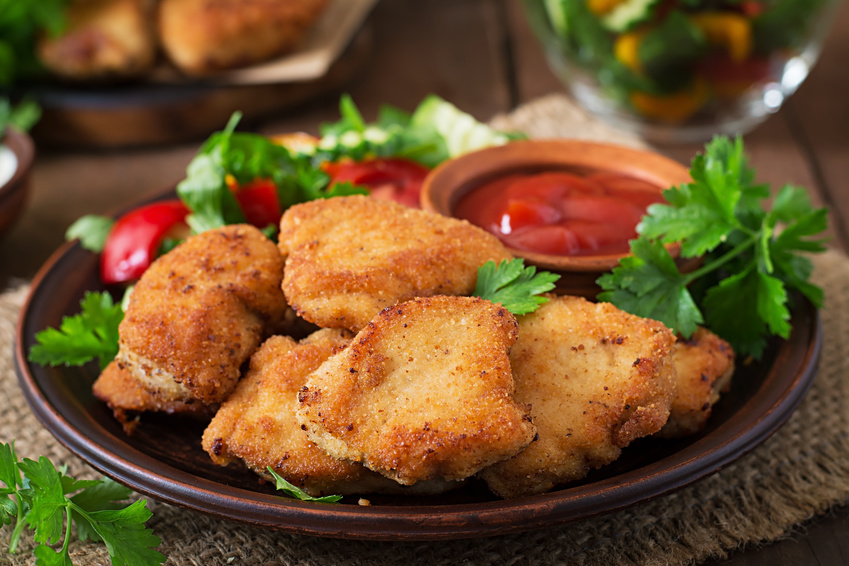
560	213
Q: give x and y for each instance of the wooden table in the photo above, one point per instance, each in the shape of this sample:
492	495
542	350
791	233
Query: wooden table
481	55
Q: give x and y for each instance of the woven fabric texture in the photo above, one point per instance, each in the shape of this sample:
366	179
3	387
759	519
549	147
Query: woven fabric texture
800	471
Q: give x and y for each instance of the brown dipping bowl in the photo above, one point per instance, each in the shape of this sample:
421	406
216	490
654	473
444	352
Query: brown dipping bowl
451	180
13	194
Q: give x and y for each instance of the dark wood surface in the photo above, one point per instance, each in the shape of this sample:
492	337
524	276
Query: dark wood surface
481	55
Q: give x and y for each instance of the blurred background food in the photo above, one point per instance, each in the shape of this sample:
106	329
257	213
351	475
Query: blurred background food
102	40
681	70
118	73
227	34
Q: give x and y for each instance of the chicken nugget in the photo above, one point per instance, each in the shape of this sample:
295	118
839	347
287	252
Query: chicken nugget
704	364
203	36
596	378
256	424
117	387
200	311
424	391
348	258
103	39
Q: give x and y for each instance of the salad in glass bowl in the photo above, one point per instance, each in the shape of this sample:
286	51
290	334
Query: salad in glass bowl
681	70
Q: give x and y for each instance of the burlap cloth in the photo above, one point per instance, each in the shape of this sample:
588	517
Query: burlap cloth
799	472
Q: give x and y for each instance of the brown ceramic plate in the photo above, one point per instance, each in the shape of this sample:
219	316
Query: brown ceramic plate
164	458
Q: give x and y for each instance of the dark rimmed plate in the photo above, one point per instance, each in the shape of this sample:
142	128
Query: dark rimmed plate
164	459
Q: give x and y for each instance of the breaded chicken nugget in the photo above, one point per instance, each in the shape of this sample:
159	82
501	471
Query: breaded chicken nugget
117	387
201	36
704	364
257	422
200	311
103	39
424	391
348	258
596	379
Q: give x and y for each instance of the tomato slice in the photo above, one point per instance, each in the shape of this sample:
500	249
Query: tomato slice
386	178
259	203
135	238
731	78
752	8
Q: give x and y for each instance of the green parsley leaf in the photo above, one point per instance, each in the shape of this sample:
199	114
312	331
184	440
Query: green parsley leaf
43	503
92	231
513	285
298	493
648	284
22	116
751	254
93	333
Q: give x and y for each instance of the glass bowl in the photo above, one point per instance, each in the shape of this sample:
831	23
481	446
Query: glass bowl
681	70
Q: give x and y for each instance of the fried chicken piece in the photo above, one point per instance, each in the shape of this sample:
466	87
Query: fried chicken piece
117	387
203	36
257	424
103	39
348	258
596	379
424	391
199	312
704	364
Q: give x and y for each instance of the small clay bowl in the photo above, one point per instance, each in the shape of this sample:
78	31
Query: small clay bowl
13	192
450	181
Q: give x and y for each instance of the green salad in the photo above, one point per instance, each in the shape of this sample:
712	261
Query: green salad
667	60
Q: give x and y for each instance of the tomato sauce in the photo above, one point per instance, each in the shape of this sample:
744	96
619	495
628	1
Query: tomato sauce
560	213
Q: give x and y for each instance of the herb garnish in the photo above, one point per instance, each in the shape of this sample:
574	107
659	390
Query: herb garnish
38	495
298	493
513	285
751	254
93	333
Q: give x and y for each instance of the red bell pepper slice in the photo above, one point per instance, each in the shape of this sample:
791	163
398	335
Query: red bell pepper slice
135	238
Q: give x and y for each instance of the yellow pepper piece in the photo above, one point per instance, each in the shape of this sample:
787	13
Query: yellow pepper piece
729	30
625	49
601	7
675	107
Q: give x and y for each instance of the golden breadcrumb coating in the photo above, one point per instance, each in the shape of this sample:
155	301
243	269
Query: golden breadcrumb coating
200	311
424	391
257	424
348	258
103	39
596	378
202	36
117	387
704	364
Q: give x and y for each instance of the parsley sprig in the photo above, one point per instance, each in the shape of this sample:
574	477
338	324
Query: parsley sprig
37	495
753	256
294	491
90	334
513	285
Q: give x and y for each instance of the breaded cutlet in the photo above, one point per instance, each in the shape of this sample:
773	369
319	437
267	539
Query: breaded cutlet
596	378
199	312
348	258
425	391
